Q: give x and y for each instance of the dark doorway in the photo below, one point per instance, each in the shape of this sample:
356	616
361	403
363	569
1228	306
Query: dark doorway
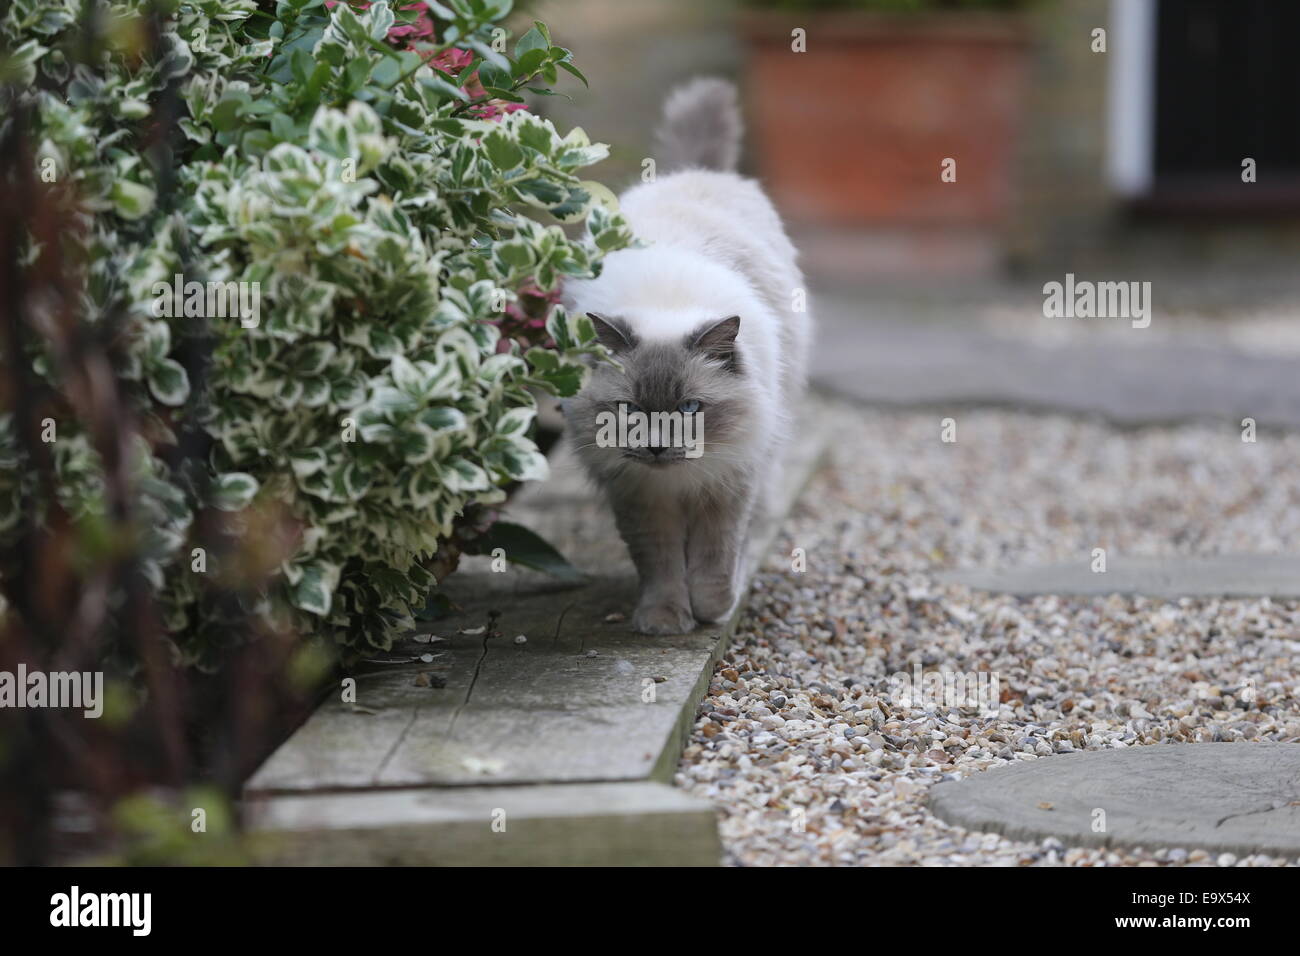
1227	87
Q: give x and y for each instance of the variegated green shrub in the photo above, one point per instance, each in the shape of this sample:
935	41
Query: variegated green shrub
370	173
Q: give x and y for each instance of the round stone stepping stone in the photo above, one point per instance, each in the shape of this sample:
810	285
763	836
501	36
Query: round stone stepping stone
1228	575
1238	798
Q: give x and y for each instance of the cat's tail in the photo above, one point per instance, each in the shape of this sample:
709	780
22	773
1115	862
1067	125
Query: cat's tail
701	127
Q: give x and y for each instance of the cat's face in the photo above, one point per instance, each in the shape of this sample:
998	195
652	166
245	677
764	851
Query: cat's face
700	381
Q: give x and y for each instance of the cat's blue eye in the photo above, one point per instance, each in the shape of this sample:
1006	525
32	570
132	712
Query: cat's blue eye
629	407
689	407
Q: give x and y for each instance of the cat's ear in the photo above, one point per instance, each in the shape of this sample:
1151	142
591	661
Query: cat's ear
614	334
717	340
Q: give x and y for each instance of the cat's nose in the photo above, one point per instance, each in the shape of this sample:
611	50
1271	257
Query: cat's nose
657	450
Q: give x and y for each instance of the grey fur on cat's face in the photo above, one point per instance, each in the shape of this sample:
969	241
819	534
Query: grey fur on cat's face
705	367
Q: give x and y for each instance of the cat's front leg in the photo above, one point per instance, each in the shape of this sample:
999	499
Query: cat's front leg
715	548
655	533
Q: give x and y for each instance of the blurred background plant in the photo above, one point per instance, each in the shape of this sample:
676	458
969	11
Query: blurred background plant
210	511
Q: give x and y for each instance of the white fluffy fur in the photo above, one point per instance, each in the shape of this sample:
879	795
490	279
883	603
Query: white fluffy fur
716	248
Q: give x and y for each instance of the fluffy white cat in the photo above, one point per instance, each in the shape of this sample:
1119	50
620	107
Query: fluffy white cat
703	322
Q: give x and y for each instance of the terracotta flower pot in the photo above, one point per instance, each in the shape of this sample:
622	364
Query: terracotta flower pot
854	131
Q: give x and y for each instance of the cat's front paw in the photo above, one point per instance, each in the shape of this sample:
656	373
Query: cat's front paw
663	617
712	601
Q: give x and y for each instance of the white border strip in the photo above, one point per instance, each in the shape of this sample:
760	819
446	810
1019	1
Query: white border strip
1130	114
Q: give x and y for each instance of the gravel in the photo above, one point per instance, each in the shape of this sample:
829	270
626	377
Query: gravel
810	744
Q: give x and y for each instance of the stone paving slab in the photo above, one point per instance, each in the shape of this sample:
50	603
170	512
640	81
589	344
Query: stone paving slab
566	706
517	713
1229	576
926	363
1238	798
604	824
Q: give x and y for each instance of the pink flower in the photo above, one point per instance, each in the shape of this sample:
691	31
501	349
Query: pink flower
452	61
422	27
524	321
495	109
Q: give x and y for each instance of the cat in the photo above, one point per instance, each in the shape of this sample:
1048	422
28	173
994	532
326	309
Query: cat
702	319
